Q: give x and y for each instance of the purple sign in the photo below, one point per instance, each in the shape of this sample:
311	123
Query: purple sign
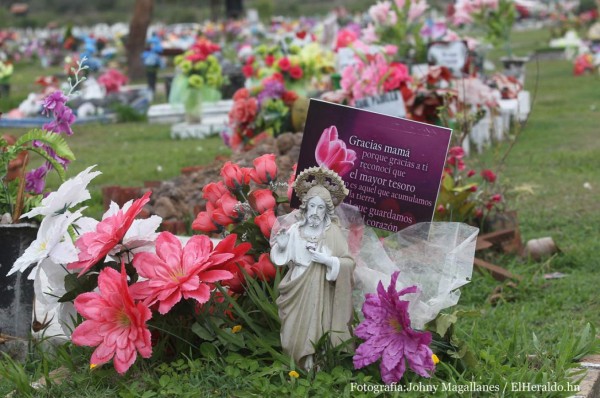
391	166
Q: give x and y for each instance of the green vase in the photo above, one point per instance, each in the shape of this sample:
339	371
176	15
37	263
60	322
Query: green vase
192	103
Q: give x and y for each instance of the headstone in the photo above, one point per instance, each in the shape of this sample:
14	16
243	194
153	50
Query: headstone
453	55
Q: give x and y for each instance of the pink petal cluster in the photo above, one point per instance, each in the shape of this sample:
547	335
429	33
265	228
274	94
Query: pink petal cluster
388	336
95	245
114	324
382	13
473	91
331	152
174	272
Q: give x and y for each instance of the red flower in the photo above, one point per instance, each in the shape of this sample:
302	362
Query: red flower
204	220
94	246
264	268
214	191
301	35
470	173
243	111
227	210
440	209
265	169
241	93
296	72
247	70
473	188
497	198
265	222
488	175
284	64
236	284
262	200
289	97
234	176
269	60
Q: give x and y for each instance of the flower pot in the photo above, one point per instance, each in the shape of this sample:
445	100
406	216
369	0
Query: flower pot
16	291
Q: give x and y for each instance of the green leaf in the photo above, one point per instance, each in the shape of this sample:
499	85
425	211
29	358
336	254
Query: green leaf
202	332
53	140
57	166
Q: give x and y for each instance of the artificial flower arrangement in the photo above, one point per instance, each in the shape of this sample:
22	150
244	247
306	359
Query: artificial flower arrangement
142	293
21	191
112	80
304	68
373	74
399	22
200	67
259	111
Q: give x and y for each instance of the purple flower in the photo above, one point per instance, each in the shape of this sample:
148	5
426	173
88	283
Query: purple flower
272	89
35	180
387	334
63	119
54	102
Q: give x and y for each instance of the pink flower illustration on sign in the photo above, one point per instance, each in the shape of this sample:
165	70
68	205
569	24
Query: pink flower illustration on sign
332	152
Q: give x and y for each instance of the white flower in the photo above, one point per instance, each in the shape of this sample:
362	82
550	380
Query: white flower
52	241
69	194
49	286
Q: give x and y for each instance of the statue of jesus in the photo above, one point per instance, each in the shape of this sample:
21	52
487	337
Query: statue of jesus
315	295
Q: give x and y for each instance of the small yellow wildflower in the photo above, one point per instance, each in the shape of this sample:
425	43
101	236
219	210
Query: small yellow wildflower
435	358
236	328
93	365
294	374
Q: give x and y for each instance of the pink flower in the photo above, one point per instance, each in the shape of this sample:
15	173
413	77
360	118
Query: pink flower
488	175
174	273
265	169
388	336
382	13
417	8
345	37
398	74
114	324
332	153
94	246
227	210
265	222
262	200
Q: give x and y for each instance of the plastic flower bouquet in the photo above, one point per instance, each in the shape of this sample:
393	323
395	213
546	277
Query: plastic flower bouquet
399	22
201	69
261	111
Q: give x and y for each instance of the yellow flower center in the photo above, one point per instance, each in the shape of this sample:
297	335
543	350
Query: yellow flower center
236	328
435	358
395	324
294	374
123	320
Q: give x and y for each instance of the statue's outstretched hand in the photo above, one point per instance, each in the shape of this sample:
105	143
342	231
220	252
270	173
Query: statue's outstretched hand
282	239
